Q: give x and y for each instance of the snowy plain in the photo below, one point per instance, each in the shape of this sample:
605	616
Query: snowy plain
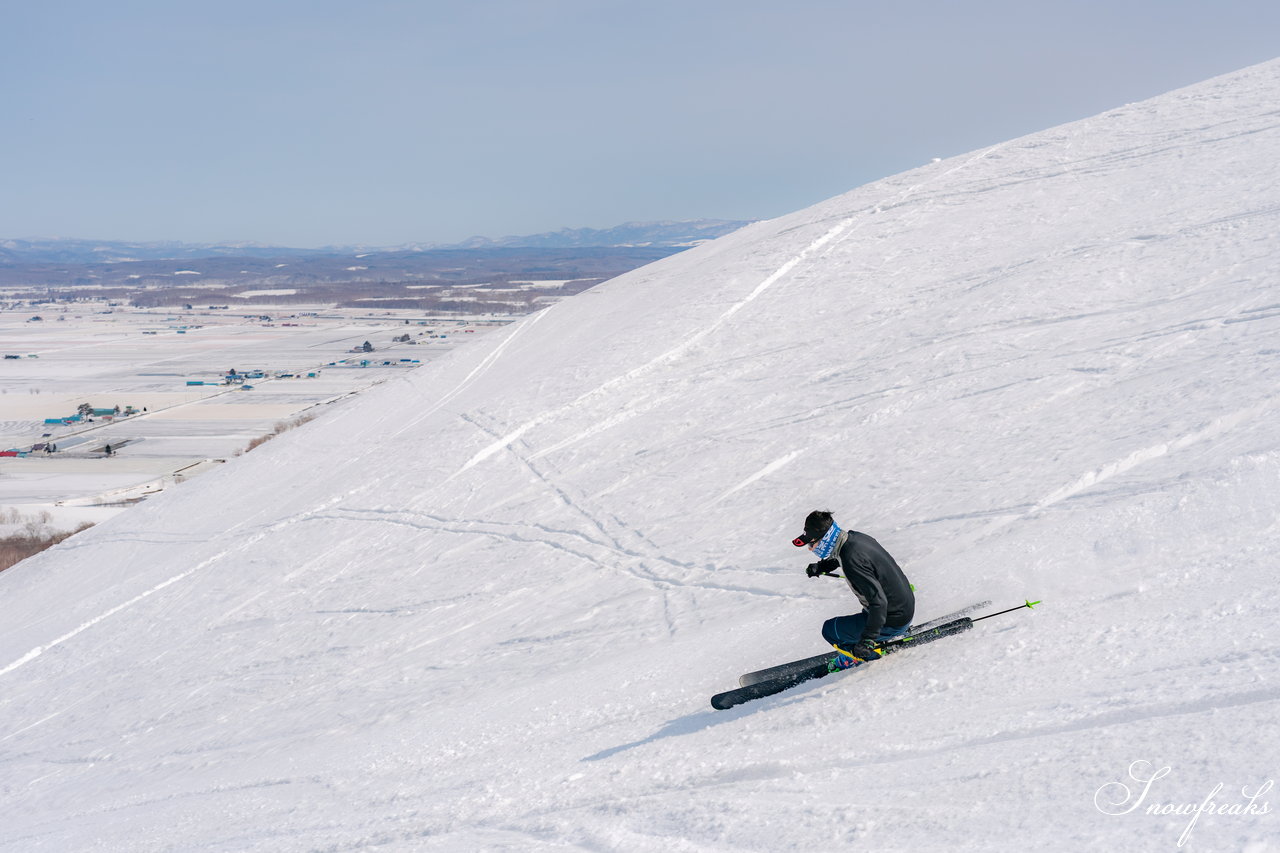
1049	369
141	359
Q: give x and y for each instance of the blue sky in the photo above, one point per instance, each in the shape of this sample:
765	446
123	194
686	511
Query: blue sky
380	122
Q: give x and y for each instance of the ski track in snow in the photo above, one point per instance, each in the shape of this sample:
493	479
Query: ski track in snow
479	370
572	542
834	235
247	544
39	650
244	545
574	504
773	466
1218	427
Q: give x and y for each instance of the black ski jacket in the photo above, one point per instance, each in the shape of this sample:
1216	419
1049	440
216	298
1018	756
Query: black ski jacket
879	583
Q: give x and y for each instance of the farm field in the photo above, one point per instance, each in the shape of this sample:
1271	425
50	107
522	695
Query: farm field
153	427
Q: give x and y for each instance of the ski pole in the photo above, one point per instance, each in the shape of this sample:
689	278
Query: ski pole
964	623
832	574
1027	604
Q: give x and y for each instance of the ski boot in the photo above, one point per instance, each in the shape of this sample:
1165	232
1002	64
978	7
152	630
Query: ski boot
845	659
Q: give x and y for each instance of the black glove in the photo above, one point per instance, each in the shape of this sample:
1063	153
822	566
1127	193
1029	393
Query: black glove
822	567
864	651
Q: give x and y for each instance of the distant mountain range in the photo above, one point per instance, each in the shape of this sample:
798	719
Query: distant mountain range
657	235
628	235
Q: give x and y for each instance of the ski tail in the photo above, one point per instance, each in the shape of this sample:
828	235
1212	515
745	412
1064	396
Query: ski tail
770	686
955	614
919	638
784	670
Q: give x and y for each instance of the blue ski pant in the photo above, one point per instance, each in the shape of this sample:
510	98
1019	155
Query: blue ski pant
847	630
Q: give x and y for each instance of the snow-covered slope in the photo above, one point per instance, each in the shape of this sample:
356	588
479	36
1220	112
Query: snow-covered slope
484	607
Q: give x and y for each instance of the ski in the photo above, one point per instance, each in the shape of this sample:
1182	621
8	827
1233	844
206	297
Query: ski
796	666
820	666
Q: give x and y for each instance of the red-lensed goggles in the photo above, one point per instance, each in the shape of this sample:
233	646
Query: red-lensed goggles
801	541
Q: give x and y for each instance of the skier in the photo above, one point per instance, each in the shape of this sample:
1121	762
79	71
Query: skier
875	578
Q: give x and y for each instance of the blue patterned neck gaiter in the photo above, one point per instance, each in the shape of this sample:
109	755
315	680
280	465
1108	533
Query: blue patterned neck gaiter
827	544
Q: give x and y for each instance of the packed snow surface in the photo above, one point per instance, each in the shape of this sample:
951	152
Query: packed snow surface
484	606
